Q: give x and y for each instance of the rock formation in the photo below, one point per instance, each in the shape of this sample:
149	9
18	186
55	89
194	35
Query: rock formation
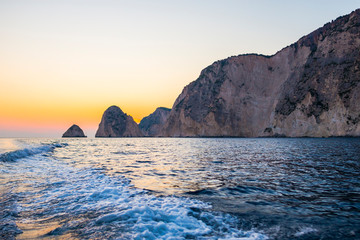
115	123
310	88
74	131
152	124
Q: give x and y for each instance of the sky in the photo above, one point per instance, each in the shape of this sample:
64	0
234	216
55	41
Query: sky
66	61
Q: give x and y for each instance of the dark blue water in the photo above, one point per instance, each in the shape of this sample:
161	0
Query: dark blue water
169	188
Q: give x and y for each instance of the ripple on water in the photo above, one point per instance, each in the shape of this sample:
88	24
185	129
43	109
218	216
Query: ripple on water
284	188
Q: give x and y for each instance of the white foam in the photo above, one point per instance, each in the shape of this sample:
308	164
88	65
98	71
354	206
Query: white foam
96	203
304	230
90	204
26	152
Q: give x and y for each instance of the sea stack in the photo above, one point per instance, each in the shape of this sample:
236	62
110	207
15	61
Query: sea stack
308	89
152	124
74	131
115	123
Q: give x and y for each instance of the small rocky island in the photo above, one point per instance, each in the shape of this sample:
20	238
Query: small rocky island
115	123
74	131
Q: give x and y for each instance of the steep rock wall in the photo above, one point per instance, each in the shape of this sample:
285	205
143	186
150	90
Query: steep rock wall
310	88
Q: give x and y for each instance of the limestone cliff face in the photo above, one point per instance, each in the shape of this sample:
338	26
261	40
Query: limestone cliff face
152	124
310	88
115	123
74	131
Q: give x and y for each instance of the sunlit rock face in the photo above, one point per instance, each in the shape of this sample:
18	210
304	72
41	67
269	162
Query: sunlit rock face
115	123
152	124
74	131
310	88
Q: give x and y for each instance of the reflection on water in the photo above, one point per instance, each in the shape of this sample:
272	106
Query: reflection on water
39	229
284	188
7	145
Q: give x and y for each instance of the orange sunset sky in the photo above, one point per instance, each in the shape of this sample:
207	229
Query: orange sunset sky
65	62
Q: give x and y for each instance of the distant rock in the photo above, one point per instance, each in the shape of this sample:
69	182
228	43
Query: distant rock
311	88
74	131
115	123
152	124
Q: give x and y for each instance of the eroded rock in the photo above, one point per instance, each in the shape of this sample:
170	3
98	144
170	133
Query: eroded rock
310	88
152	124
74	131
115	123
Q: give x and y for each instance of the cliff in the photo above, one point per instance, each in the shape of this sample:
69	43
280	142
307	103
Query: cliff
152	124
115	123
310	88
74	131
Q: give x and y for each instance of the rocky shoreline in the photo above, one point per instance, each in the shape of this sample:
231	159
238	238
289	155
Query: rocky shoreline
308	89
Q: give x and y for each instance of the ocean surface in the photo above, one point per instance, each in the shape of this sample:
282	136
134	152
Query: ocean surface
180	188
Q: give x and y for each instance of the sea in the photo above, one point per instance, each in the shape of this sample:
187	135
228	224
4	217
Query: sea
180	188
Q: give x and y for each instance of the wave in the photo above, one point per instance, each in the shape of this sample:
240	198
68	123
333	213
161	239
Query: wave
88	204
8	214
234	190
92	205
27	152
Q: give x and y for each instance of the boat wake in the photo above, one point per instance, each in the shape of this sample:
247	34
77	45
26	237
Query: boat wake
26	152
85	203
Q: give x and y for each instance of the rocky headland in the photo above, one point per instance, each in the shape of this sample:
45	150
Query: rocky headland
152	124
308	89
115	123
74	131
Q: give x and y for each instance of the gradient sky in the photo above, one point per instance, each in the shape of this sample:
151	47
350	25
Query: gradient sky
66	61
